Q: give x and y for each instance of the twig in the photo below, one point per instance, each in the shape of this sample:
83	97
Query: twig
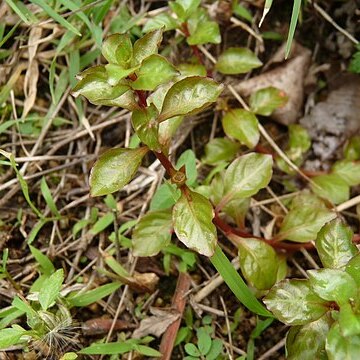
178	303
328	18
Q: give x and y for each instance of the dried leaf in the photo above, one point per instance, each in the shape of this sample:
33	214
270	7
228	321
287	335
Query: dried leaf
157	324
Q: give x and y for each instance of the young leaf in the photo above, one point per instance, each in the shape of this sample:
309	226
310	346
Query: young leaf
352	148
11	336
114	169
349	321
294	303
202	30
215	350
348	170
46	193
299	138
163	20
265	101
236	60
307	342
51	289
184	8
259	263
219	150
152	233
204	341
192	350
146	126
98	90
302	223
188	159
331	187
117	49
146	46
353	268
242	125
154	71
332	284
334	244
115	73
192	216
341	347
246	175
189	96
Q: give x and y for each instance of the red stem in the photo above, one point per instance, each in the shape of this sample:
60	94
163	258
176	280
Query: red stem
165	162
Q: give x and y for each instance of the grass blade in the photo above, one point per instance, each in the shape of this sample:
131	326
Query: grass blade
58	18
89	297
236	284
19	11
267	8
46	193
293	22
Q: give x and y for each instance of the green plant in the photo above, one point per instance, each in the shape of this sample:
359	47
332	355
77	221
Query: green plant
323	310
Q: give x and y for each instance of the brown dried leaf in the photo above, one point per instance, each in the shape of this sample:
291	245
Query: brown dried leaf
157	324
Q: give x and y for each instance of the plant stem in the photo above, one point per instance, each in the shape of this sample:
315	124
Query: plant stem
165	162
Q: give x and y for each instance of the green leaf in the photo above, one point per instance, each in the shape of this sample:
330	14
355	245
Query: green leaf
116	73
266	101
204	341
102	223
167	129
165	197
353	268
86	298
242	12
46	266
152	233
189	96
259	263
205	32
192	217
118	348
192	350
246	175
98	90
163	20
9	337
307	342
332	284
341	347
294	303
215	350
352	149
219	150
236	284
187	70
146	126
242	125
184	8
348	170
236	60
188	159
51	289
349	321
334	244
302	223
331	187
117	49
114	169
299	138
154	71
146	46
